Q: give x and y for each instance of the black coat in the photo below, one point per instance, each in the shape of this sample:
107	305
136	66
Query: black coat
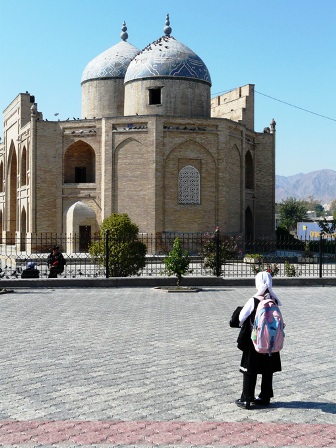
56	262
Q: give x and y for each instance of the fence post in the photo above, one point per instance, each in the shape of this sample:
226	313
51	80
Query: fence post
320	255
107	254
218	264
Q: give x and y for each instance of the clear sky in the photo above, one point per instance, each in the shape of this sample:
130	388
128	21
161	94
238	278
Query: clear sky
287	48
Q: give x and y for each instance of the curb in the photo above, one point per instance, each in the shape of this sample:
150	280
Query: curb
134	282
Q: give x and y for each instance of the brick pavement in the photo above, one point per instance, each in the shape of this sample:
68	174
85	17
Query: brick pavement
138	367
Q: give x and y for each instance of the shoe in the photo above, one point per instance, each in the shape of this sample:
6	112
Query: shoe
243	404
260	402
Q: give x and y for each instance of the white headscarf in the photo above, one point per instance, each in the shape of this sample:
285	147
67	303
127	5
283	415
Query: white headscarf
263	282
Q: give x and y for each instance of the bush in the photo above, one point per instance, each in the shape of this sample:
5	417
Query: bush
258	257
126	253
290	270
271	268
177	262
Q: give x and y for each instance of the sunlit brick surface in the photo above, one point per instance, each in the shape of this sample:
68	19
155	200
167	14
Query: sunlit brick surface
136	367
166	433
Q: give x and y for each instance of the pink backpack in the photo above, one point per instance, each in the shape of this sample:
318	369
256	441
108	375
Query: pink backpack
268	328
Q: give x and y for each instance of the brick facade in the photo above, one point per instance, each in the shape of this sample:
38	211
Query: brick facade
60	175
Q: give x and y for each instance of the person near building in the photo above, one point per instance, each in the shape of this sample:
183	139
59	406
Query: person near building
252	362
56	262
30	271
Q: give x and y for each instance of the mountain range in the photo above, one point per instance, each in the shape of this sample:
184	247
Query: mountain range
319	185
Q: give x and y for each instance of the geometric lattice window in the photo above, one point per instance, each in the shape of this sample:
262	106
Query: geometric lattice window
189	185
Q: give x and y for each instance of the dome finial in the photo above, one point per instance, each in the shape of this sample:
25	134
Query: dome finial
167	29
124	35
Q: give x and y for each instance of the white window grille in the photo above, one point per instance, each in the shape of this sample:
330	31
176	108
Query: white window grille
189	185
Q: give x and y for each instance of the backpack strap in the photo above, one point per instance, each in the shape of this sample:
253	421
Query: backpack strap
252	315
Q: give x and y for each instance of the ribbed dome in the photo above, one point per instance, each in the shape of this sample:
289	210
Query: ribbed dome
113	62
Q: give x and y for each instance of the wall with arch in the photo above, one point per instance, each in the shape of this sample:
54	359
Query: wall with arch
190	217
135	183
79	163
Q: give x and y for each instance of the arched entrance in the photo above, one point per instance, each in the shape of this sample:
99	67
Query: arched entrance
81	224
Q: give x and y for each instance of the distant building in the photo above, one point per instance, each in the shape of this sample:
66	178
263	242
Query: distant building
310	230
150	143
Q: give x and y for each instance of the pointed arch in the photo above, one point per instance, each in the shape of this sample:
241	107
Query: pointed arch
23	167
134	165
12	193
79	163
192	144
232	181
189	179
1	177
81	224
249	170
23	229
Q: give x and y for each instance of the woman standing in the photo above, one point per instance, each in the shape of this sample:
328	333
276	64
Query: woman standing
252	362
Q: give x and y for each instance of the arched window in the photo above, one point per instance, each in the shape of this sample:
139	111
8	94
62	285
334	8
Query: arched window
1	177
23	169
12	194
189	185
79	163
23	229
249	171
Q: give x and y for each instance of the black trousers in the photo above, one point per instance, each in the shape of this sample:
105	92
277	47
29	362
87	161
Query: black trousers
249	385
54	272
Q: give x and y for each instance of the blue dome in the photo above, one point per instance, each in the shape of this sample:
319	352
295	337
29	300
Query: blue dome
167	57
113	62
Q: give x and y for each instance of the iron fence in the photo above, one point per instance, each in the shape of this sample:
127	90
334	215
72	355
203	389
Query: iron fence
210	254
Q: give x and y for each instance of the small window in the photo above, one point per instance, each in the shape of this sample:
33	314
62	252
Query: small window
155	96
80	174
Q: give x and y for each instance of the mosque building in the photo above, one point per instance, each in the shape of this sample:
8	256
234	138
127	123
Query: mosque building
151	143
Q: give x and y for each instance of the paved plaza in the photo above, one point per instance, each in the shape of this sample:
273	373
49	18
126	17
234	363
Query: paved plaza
140	367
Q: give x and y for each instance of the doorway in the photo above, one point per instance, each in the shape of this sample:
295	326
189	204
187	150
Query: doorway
84	238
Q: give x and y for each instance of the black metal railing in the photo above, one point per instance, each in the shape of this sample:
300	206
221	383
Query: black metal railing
211	254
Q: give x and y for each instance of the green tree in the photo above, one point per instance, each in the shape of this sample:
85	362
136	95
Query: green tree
327	227
126	253
312	204
177	262
292	211
332	208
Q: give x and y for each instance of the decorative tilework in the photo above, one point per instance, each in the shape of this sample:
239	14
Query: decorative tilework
112	63
167	57
189	185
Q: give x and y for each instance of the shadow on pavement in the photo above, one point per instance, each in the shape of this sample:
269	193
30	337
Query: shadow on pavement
325	407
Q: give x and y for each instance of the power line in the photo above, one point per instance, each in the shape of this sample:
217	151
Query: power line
284	102
296	107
